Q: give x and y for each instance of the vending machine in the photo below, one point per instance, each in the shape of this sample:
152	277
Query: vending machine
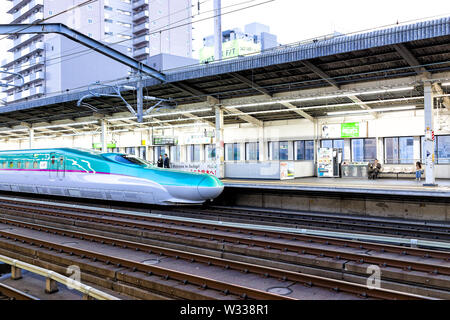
328	162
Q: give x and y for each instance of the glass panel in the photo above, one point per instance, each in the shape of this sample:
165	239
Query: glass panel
236	152
274	147
370	149
196	153
299	150
443	149
391	150
284	150
252	151
326	143
357	149
229	151
309	150
406	145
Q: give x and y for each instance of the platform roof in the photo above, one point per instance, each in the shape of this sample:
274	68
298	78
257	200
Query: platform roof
367	70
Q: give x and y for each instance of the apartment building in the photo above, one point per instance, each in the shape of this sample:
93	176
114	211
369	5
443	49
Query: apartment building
51	64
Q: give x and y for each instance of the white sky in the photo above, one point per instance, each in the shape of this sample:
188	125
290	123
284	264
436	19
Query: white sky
295	20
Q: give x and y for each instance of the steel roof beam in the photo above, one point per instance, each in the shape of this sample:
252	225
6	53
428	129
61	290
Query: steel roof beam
59	28
251	84
244	116
298	111
196	118
320	73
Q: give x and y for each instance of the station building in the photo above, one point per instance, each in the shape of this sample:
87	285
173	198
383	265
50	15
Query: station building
383	95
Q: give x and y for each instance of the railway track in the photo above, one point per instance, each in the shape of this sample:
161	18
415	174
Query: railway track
9	293
323	221
322	248
186	278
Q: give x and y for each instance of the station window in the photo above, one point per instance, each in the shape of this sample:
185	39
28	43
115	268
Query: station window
210	152
35	164
232	152
398	150
142	153
195	152
175	153
27	164
130	150
441	151
304	150
279	150
252	151
364	149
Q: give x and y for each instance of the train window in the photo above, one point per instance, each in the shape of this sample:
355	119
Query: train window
53	159
131	160
35	164
11	164
61	161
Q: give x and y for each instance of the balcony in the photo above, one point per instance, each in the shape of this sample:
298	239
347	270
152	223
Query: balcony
27	10
141	16
141	53
17	4
141	41
31	78
28	51
31	92
32	63
141	28
140	4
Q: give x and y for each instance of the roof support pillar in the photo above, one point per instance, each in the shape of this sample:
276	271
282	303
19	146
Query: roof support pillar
429	143
262	144
104	135
30	138
220	166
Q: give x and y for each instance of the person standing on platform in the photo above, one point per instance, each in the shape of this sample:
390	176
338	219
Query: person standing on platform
418	170
166	161
160	161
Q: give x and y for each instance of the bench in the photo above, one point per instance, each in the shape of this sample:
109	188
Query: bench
405	171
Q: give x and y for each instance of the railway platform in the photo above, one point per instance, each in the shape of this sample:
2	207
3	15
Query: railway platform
384	186
402	198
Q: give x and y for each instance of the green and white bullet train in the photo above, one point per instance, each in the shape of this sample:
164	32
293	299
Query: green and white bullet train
107	176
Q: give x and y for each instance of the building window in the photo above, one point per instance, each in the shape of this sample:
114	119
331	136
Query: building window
108	8
89	35
195	152
441	151
210	152
90	7
126	1
108	21
123	24
90	21
232	152
279	150
364	149
126	13
304	150
50	12
334	143
123	36
252	151
108	33
175	153
398	150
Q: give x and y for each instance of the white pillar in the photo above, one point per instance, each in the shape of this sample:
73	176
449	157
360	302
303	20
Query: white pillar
262	144
429	143
103	135
217	31
30	138
219	143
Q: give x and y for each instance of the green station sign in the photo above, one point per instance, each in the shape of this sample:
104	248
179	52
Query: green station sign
350	130
98	145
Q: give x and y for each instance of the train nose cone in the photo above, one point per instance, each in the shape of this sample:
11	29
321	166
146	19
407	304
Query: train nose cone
210	187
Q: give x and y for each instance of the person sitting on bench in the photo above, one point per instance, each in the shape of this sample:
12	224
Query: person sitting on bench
374	169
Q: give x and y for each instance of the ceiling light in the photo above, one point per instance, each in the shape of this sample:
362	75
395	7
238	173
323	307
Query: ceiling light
396	108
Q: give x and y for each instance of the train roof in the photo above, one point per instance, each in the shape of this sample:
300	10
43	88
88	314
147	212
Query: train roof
75	151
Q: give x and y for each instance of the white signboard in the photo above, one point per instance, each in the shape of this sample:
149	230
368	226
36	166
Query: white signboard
199	167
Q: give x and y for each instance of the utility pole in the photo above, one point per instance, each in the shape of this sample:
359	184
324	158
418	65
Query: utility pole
217	31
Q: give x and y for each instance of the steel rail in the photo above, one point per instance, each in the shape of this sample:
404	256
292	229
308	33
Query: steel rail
299	249
308	280
15	294
328	222
167	274
427	253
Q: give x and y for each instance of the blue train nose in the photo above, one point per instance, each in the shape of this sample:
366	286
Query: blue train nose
210	187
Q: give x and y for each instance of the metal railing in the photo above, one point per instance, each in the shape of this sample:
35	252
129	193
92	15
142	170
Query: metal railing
88	291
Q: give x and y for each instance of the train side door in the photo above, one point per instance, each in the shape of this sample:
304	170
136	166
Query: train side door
53	166
61	167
